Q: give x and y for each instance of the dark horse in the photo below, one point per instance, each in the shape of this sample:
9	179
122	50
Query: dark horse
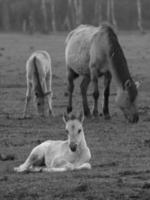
93	52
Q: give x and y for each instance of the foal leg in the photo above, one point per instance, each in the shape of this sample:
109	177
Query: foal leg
107	81
33	161
71	76
84	86
49	96
28	99
84	166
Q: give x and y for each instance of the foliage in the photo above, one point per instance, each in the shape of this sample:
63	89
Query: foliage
18	15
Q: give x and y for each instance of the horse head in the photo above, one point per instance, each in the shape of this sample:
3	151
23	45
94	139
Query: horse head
74	130
126	100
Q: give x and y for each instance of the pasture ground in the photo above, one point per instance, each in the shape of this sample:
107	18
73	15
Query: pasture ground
120	151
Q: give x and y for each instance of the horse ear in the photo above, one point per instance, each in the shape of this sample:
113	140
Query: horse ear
47	93
127	84
137	83
81	117
65	117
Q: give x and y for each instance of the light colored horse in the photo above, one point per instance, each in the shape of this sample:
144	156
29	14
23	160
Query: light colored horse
93	52
58	156
39	78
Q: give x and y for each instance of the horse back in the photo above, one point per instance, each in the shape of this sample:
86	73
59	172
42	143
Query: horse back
77	49
43	64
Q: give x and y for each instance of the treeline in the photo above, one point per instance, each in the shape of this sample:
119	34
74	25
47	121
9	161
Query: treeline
61	15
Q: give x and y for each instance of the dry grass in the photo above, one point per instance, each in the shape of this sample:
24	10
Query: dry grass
120	151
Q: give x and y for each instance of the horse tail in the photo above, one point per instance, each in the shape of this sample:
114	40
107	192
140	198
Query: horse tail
38	89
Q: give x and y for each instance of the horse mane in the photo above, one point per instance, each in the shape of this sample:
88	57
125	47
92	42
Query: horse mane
116	54
119	62
38	87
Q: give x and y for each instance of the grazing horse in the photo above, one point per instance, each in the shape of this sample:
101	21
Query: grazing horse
93	52
59	155
39	77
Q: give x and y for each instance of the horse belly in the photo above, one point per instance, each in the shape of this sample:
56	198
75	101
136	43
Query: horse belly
78	61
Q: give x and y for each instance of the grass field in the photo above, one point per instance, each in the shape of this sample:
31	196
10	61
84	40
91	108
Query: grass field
120	151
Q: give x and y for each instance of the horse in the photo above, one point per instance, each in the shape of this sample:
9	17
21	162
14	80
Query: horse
93	52
61	155
39	78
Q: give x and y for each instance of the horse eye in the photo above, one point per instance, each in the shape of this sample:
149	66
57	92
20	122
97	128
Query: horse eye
79	131
36	94
38	104
67	131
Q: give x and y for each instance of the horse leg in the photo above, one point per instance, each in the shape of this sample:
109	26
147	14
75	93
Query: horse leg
28	98
94	78
107	81
70	76
84	86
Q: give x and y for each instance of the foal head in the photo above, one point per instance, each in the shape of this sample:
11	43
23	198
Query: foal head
126	100
74	130
40	100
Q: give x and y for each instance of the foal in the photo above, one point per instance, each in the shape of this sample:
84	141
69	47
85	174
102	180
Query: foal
39	78
59	155
93	52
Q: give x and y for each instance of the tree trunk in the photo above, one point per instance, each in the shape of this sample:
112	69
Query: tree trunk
5	19
139	11
44	12
111	13
53	15
78	11
98	12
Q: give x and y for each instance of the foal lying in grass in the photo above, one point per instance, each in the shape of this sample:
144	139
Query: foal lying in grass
59	155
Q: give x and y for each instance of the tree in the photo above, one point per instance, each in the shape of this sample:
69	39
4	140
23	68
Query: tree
5	14
78	11
111	13
53	18
140	21
44	12
98	11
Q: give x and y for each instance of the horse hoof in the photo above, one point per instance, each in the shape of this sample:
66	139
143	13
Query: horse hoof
51	114
69	109
66	94
87	114
107	117
25	117
95	113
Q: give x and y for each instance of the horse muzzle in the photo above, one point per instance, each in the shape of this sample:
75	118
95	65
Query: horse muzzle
133	119
73	146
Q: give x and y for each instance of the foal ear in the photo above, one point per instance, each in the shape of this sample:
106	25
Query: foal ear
81	117
65	117
127	84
